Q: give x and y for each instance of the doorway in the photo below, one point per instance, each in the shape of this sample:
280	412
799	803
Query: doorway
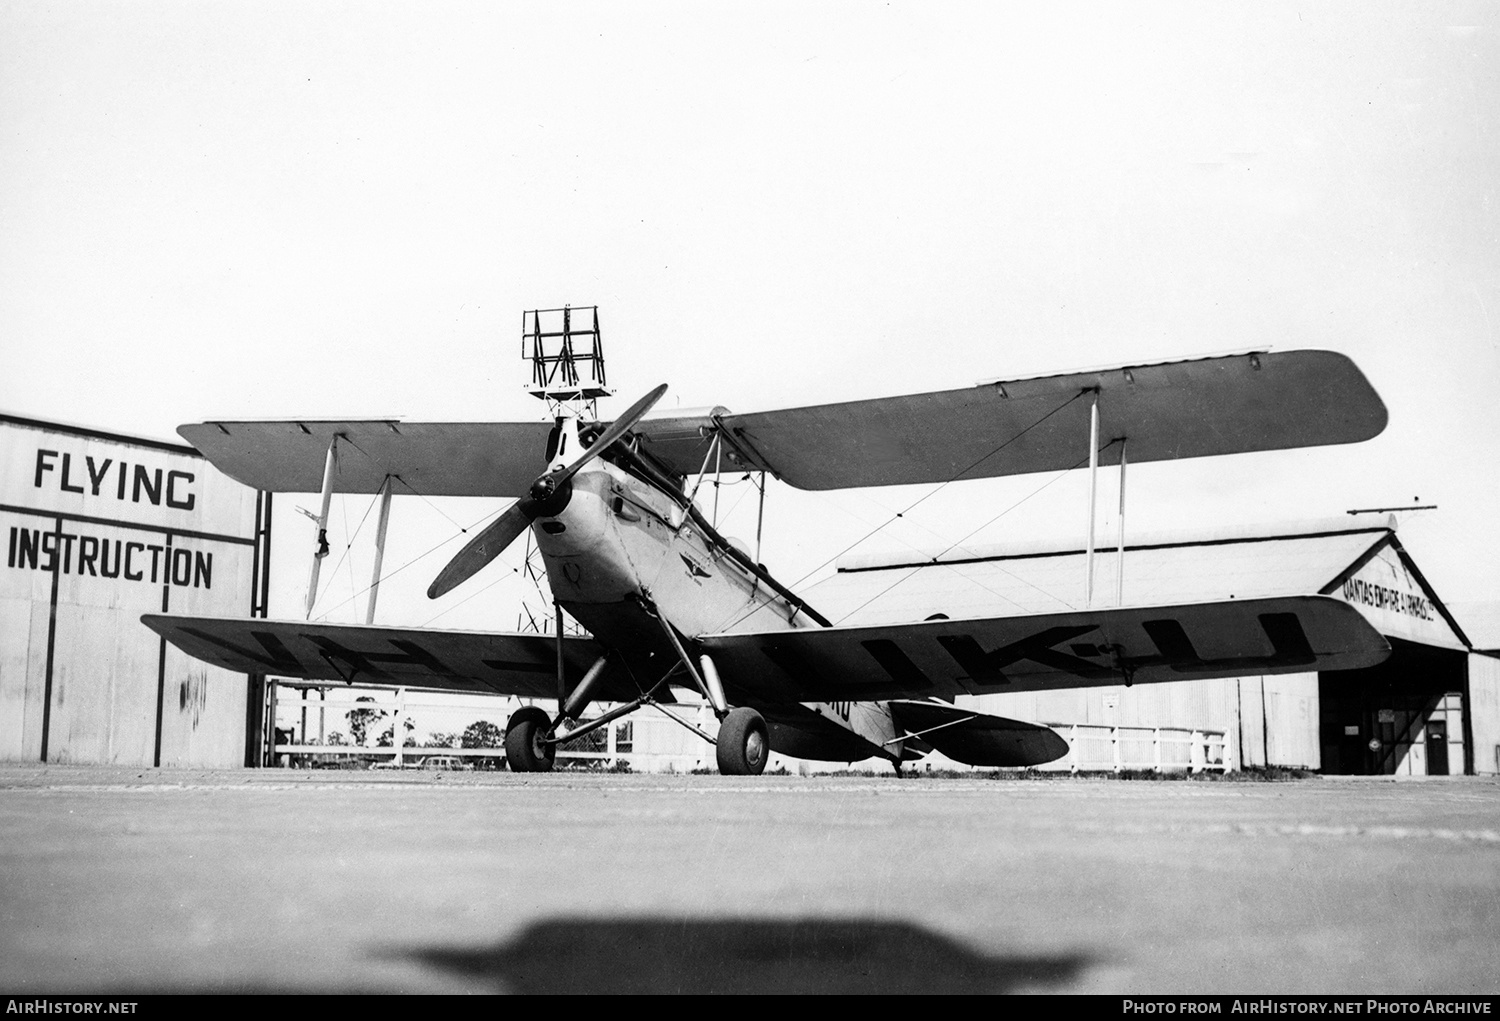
1395	717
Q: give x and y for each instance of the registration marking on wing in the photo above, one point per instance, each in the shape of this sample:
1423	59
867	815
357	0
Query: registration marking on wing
519	664
1081	648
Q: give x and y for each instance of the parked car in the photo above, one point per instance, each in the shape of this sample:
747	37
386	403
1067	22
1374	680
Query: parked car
446	762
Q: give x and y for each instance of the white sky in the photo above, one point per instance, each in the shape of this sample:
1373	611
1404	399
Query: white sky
318	209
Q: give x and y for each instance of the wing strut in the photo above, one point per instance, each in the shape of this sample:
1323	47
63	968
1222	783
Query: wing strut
1120	544
380	529
322	519
330	465
679	513
1088	581
1088	560
562	679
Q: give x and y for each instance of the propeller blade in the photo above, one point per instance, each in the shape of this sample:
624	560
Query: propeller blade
483	548
491	542
619	427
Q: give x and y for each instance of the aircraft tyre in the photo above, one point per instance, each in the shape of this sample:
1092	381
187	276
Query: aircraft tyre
744	743
524	750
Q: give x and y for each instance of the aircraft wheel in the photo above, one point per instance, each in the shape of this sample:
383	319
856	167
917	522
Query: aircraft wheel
744	743
524	750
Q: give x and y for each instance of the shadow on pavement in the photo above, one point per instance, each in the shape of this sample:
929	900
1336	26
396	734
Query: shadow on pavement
677	955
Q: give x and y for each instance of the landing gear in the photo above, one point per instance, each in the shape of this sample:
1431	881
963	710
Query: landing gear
744	743
526	751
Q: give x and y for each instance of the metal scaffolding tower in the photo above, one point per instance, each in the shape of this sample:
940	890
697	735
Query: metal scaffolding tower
567	358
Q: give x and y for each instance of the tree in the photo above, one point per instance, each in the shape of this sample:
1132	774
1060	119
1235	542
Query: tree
483	734
388	737
360	720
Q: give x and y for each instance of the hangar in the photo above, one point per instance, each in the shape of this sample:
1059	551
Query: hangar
98	529
1433	707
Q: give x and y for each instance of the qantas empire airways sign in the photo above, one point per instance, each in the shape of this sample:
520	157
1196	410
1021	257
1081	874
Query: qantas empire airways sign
1396	602
1368	593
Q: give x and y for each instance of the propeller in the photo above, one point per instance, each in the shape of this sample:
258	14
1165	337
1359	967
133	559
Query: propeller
547	495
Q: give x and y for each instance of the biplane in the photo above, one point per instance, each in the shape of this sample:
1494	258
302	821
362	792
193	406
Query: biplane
669	603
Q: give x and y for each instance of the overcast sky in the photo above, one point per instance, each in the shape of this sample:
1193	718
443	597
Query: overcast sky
322	209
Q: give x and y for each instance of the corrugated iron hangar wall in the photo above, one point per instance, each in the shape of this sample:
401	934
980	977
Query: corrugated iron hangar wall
99	529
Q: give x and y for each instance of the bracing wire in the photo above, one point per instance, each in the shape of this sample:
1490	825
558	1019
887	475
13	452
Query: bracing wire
357	593
939	488
937	560
420	557
729	513
346	558
344	554
423	498
449	609
1060	475
757	606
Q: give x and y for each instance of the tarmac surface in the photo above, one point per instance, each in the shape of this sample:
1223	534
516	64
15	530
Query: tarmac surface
142	881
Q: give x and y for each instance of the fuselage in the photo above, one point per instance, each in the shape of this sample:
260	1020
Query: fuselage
618	538
622	555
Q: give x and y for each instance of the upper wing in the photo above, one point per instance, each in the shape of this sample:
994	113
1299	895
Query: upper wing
431	458
1224	405
472	661
1056	650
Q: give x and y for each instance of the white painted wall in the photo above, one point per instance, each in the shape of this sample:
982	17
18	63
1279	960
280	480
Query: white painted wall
1484	709
64	616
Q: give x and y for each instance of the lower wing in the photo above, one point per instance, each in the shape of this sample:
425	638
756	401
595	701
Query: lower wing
474	661
1057	650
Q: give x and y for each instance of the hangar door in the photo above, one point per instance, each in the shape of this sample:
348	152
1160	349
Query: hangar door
99	529
1402	716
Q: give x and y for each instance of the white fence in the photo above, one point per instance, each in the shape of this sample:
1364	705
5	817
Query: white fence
649	742
1097	748
314	729
1091	749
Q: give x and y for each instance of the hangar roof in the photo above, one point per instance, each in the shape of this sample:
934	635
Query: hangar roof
52	425
1300	558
